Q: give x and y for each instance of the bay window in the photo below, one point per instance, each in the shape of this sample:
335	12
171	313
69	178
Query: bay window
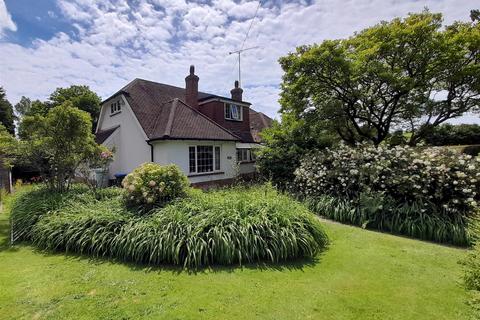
204	159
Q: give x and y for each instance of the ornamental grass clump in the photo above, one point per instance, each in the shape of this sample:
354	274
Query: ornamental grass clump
151	185
427	193
231	226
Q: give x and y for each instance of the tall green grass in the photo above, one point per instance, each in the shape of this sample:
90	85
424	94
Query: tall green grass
30	204
406	219
230	226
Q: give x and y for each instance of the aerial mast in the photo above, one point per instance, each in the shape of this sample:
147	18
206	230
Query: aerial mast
239	53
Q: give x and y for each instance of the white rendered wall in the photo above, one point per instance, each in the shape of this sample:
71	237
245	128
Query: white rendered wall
176	152
131	148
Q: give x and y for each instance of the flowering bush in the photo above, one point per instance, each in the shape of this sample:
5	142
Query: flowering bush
152	184
440	179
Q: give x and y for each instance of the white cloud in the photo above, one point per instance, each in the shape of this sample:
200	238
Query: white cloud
159	39
6	22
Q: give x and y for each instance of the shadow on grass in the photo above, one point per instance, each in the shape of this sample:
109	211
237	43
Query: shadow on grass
288	265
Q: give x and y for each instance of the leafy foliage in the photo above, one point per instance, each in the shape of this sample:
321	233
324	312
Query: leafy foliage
285	143
437	177
81	97
8	147
152	184
23	107
386	76
6	113
222	227
448	135
425	193
58	143
380	212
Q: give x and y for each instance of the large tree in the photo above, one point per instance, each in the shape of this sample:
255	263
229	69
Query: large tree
81	97
56	144
6	113
407	73
23	106
8	147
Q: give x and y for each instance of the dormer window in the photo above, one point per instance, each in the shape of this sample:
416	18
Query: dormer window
115	107
233	112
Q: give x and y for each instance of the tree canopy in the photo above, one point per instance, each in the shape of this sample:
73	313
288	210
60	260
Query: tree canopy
410	73
81	97
8	147
58	143
6	113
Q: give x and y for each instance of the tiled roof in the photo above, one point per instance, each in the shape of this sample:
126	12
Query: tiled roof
258	122
180	121
103	135
153	105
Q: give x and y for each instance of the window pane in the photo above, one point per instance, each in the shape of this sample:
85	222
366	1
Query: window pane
204	159
191	155
112	110
227	111
217	158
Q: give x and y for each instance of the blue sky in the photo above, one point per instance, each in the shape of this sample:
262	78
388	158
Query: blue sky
46	44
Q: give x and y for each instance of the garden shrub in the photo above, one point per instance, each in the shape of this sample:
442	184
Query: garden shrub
228	226
449	134
433	191
152	184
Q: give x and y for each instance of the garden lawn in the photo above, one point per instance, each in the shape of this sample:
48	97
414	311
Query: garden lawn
363	275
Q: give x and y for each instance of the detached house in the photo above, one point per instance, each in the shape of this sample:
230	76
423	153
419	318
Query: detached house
209	137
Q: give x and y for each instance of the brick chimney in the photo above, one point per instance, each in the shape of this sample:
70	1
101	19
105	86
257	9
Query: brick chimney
236	92
191	88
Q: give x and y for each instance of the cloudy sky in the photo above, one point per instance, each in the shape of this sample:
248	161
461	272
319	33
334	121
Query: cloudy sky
105	44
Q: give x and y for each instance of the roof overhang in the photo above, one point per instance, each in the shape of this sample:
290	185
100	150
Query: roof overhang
210	99
166	138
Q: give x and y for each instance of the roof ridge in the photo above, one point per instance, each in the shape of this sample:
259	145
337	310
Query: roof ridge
210	120
157	116
264	121
168	127
169	85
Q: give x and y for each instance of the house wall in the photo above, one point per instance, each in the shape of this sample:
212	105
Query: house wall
176	152
131	148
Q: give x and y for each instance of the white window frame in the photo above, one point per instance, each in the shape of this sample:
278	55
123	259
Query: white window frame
250	155
229	115
214	158
115	107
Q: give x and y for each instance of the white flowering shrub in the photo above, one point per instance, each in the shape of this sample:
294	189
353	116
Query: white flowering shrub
152	184
437	178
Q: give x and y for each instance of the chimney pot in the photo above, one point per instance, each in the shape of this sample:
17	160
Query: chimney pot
191	88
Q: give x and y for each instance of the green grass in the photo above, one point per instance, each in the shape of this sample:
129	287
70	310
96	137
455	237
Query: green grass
363	275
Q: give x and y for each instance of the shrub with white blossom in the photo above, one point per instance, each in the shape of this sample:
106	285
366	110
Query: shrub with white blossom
440	179
152	184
